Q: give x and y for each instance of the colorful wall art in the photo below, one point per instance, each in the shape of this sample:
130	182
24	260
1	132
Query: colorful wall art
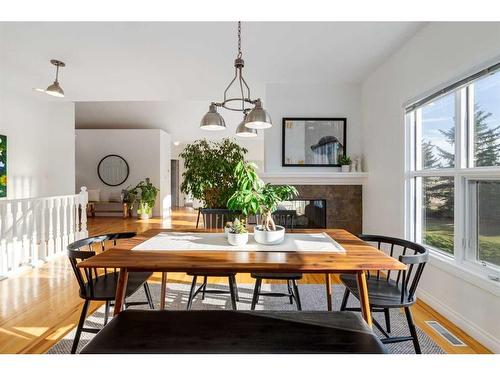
3	166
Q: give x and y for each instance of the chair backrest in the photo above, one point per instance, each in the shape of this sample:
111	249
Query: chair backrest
216	218
81	250
119	236
285	218
402	250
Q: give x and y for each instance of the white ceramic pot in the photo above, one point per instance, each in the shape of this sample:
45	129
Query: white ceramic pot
226	231
345	168
271	237
237	239
144	217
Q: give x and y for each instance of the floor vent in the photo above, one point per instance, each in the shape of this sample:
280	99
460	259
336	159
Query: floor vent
447	335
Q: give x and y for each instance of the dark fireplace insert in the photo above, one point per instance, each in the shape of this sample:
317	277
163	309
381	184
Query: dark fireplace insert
308	213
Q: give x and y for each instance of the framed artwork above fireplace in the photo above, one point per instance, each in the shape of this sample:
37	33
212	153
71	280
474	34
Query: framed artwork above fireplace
313	142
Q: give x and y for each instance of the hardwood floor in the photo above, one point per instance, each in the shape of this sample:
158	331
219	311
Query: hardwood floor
40	306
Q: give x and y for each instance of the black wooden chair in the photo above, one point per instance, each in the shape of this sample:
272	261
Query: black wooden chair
214	219
286	219
386	292
95	287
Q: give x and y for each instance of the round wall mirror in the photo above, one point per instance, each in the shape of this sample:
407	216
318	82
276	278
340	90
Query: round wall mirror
113	170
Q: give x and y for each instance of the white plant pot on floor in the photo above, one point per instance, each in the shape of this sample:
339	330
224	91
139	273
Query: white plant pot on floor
345	168
269	237
237	239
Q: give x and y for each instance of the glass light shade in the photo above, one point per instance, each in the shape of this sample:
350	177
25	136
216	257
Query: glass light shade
55	90
243	131
212	120
258	118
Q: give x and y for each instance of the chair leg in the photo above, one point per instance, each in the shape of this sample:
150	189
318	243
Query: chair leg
148	296
256	292
387	320
344	300
413	330
232	292
296	294
236	289
290	291
205	282
191	293
81	322
106	313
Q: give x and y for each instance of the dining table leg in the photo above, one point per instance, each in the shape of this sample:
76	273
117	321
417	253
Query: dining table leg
363	297
328	284
163	291
121	289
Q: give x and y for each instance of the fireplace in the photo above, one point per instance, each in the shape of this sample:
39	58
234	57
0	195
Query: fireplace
343	204
308	213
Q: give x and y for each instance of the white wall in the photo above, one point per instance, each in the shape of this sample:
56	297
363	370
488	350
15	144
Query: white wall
41	144
306	100
146	151
438	54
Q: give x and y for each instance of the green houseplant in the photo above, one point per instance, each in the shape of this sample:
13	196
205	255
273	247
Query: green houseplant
237	234
145	193
345	162
254	197
209	170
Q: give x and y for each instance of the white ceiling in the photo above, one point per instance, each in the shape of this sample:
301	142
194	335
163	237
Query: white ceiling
140	61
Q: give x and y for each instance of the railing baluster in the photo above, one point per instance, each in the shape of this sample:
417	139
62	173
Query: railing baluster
58	242
35	253
43	230
66	206
3	240
50	238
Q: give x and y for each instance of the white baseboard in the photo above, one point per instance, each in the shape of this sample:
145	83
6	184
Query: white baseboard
466	325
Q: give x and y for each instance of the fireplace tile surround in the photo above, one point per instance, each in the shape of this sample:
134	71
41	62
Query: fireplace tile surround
343	204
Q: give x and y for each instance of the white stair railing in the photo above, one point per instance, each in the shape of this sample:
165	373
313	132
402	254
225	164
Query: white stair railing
33	230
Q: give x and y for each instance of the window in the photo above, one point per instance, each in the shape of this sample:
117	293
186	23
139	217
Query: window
437	133
437	213
486	127
453	171
485	221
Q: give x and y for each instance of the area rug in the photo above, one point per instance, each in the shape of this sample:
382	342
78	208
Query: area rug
313	297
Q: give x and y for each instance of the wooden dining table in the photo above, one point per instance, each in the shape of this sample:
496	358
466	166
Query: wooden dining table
358	258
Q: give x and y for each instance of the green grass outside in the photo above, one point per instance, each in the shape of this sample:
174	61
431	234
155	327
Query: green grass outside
438	233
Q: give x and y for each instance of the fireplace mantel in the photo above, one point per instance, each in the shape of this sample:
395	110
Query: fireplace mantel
316	178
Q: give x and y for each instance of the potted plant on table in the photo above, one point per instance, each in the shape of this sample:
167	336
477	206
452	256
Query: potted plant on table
238	233
345	162
146	194
254	197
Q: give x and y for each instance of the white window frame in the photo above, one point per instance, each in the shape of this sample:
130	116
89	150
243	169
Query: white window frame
464	256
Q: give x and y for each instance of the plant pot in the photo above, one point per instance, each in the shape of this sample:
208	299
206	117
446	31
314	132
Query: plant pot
271	237
237	239
144	212
226	231
345	168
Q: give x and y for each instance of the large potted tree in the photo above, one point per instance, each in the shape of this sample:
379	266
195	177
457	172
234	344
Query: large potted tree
209	171
254	197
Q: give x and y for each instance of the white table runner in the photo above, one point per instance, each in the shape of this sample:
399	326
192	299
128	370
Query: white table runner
294	242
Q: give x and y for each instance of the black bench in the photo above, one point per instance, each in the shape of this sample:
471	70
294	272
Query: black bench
235	332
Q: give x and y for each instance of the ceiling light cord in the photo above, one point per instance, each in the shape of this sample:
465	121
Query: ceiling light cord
239	41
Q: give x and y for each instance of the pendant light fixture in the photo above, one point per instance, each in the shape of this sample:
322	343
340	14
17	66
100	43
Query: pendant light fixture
254	115
243	131
55	89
